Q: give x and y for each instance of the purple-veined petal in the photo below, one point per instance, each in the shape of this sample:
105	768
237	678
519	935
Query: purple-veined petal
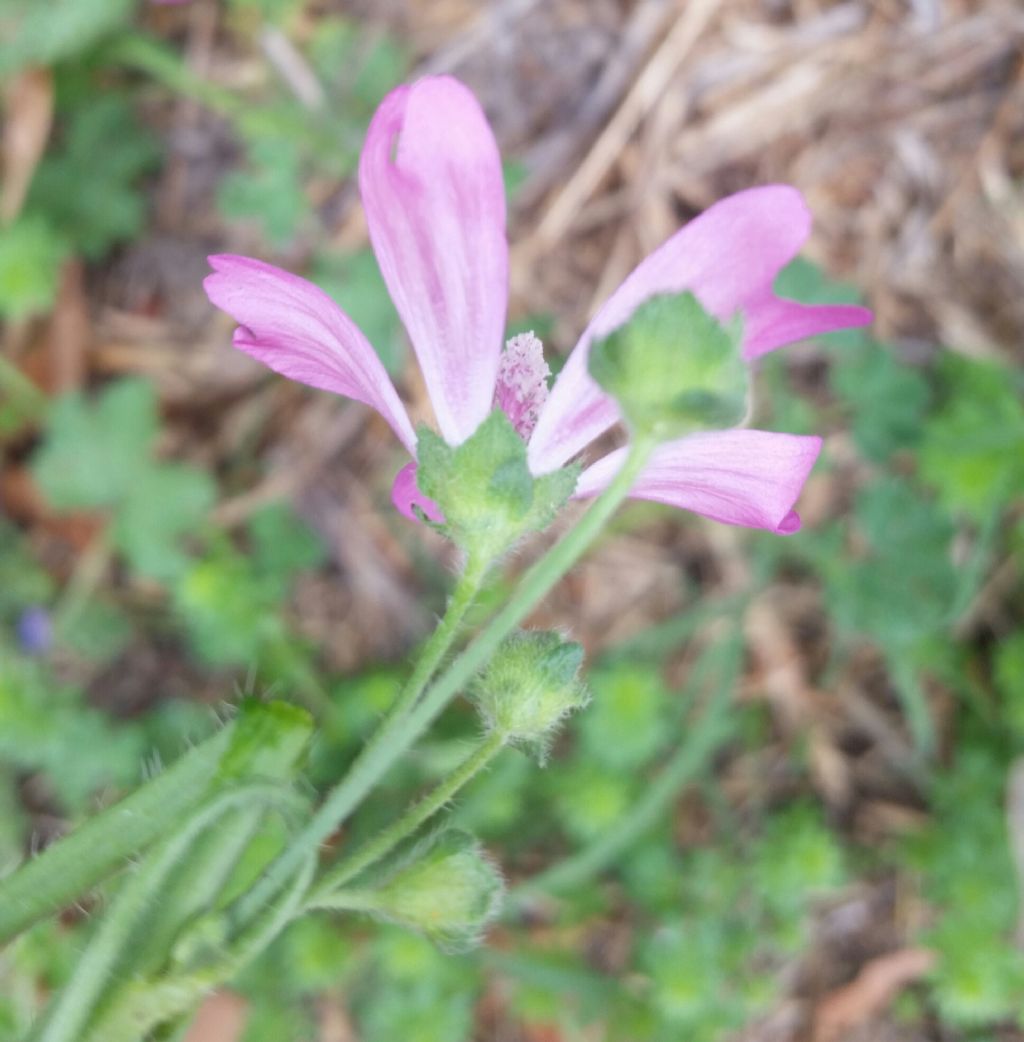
294	328
431	181
729	257
740	477
405	494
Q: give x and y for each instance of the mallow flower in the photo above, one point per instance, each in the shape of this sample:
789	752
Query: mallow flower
431	183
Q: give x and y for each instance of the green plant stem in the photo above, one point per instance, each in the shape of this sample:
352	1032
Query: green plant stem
75	864
422	810
67	1018
143	1006
355	900
440	641
398	733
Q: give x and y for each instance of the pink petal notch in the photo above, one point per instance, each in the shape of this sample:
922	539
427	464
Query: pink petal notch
431	181
405	495
739	477
729	258
294	328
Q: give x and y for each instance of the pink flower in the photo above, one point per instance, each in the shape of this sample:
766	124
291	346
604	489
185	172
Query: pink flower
431	182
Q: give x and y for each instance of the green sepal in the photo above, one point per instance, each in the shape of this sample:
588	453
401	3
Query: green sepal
673	368
444	886
484	487
529	687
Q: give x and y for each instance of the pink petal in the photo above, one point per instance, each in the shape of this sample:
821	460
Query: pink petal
294	328
729	257
739	477
431	182
405	494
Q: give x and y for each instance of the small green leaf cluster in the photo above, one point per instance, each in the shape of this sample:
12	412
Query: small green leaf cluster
230	602
290	144
967	872
673	368
714	968
485	490
88	186
84	197
972	448
101	456
412	990
42	34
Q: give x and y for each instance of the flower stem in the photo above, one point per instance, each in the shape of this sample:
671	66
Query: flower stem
398	733
440	641
98	847
69	1014
423	809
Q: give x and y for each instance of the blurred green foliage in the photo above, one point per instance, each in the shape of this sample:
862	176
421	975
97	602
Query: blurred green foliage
101	455
686	937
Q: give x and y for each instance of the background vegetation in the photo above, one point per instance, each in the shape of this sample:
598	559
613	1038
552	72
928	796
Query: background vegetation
795	807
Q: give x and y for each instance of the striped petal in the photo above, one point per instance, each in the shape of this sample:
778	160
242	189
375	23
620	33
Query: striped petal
740	477
431	181
294	328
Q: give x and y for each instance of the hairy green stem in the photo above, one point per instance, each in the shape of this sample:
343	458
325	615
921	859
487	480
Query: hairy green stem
69	1015
398	733
422	810
144	1005
440	641
100	845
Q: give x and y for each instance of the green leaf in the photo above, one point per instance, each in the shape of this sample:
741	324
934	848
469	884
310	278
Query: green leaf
165	503
268	741
887	399
23	582
384	66
96	451
625	724
283	544
37	719
43	33
973	446
902	584
269	191
89	185
31	253
226	608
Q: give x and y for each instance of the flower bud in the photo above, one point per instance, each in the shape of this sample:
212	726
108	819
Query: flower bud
530	686
448	888
673	368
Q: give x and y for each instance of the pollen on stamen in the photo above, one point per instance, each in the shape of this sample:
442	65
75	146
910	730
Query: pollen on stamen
522	385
